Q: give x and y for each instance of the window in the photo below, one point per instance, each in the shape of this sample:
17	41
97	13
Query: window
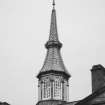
57	89
46	89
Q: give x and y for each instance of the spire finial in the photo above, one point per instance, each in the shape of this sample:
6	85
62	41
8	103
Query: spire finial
53	3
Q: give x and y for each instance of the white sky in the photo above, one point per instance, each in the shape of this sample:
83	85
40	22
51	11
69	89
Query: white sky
24	29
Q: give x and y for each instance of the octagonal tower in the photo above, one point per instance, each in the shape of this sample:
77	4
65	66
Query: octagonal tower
53	78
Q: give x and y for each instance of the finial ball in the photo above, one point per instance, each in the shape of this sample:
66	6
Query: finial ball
53	3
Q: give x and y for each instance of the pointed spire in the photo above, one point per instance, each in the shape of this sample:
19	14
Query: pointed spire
53	60
53	37
53	27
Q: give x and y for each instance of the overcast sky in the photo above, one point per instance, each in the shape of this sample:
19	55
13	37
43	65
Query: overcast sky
24	29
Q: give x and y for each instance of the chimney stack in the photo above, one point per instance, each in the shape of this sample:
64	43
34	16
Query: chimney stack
98	77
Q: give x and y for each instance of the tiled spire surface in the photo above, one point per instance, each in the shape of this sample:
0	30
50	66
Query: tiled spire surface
53	27
53	60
